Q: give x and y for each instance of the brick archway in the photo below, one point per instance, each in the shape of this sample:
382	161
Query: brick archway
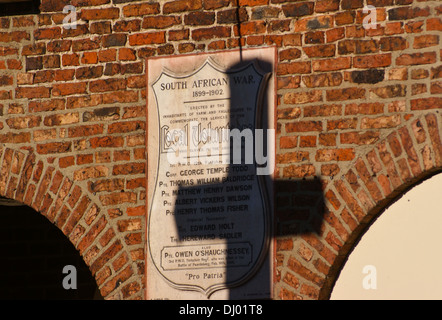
354	200
43	187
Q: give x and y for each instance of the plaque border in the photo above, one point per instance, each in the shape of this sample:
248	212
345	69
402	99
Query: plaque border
268	197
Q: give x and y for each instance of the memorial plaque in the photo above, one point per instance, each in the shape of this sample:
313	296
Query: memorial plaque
210	165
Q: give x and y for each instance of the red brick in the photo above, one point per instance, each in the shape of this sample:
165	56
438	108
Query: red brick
107	85
335	154
140	9
61	119
332	64
303	126
198	18
89	72
91	172
393	44
104	257
381	122
290	82
322	110
323	80
327	50
93	232
100	14
127	26
299	171
106	142
252	3
147	38
128	168
176	35
416	58
118	198
85	44
120	96
434	24
373	61
388	162
114	40
426	103
288	142
364	108
407	13
298	9
64	89
211	33
48	33
425	41
31	92
288	113
433	130
303	97
54	147
292	157
412	159
294	68
345	94
30	49
107	55
345	123
327	139
70	60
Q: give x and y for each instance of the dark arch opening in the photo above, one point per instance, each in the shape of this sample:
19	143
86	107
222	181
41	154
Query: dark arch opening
19	7
33	253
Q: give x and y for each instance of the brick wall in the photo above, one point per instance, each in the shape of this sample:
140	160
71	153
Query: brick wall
358	114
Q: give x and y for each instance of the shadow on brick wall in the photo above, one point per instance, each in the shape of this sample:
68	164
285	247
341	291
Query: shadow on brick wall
298	208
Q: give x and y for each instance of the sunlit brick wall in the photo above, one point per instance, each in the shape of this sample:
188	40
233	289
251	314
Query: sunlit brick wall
358	112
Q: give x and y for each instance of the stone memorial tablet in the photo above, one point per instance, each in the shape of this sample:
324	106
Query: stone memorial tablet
210	164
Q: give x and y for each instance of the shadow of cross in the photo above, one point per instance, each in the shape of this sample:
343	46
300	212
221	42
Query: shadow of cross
216	185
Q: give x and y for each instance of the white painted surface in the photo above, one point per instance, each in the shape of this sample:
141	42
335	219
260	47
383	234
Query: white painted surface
404	245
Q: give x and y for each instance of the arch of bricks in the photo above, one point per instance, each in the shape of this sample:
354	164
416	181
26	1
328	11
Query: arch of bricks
68	207
358	120
308	265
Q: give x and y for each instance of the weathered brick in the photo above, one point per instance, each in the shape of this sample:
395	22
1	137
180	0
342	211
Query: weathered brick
303	126
147	38
64	89
345	94
416	58
32	92
298	9
397	90
100	14
425	41
210	33
334	64
61	119
426	103
54	147
327	50
434	24
303	97
294	68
